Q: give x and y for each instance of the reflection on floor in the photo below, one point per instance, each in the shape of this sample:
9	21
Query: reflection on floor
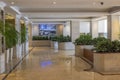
49	64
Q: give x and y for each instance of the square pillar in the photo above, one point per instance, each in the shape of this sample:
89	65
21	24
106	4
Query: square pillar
75	30
94	28
113	27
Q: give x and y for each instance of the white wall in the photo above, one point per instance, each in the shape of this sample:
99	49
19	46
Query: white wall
35	30
94	29
66	29
75	30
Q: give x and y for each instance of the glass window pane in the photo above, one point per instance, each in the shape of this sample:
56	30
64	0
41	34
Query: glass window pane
84	27
102	28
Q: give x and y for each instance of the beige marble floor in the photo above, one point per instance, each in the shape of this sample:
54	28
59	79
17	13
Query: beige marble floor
49	64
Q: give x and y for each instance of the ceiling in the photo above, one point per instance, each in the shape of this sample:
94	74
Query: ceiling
64	9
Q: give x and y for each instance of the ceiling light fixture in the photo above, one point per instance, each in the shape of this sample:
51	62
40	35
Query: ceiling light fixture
12	3
94	3
54	2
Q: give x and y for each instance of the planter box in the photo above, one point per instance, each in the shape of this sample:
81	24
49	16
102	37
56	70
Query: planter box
9	55
41	43
88	54
108	63
79	49
66	46
54	44
90	47
2	63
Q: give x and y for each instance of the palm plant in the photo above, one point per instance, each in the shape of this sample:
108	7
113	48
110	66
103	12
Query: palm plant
11	35
1	27
23	33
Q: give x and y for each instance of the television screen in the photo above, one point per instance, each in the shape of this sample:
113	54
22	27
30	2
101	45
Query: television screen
47	29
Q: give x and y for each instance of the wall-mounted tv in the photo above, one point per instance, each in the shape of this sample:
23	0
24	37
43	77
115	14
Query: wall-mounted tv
47	29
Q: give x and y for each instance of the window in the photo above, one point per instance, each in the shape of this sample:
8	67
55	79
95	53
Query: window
102	28
84	27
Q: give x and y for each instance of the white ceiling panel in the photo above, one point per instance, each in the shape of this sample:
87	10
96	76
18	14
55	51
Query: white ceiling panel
63	8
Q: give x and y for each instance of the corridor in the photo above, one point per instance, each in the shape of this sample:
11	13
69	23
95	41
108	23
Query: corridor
48	64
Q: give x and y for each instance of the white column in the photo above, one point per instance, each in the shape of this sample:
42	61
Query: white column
66	29
113	27
35	30
30	34
75	30
94	28
17	49
2	56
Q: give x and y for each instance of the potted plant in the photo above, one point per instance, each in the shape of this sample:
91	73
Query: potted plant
107	57
23	38
38	41
54	42
64	42
11	38
84	41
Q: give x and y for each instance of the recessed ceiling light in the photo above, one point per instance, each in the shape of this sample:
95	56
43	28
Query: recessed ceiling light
12	3
54	2
94	3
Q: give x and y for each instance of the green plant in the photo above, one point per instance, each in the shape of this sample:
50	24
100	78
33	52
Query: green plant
62	38
1	27
108	46
40	38
115	46
10	34
23	33
55	38
84	39
98	39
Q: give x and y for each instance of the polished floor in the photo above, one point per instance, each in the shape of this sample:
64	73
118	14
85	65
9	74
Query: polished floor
49	64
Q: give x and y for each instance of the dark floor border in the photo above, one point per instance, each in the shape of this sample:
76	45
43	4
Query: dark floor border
16	65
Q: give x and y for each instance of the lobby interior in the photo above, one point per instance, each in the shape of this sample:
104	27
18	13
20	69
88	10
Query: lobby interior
34	56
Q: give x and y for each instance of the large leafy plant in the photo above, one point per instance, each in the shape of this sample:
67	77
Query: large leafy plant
55	38
10	34
98	39
40	38
23	33
1	27
108	46
62	38
84	39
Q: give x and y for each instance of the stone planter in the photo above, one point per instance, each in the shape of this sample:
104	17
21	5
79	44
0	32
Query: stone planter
79	50
9	55
88	54
66	46
2	63
107	63
90	47
41	43
54	44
